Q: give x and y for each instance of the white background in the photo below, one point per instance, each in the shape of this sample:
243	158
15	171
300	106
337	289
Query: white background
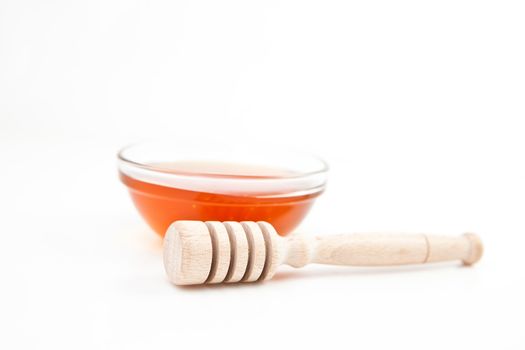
417	105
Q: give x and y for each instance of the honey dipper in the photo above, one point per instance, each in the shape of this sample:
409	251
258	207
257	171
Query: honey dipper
197	252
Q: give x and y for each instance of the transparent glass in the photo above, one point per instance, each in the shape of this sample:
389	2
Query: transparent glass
169	181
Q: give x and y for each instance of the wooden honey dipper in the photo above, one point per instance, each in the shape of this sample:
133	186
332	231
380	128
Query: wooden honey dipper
197	252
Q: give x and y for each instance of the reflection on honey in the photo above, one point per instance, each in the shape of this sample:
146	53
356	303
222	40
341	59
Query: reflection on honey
161	205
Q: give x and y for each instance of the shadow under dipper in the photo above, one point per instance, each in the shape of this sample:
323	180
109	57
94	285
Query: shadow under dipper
328	272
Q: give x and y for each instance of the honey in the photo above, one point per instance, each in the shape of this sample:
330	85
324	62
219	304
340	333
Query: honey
161	204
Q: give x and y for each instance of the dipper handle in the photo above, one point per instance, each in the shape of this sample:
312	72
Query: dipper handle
382	249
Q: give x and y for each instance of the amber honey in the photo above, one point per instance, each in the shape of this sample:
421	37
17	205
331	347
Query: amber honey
160	204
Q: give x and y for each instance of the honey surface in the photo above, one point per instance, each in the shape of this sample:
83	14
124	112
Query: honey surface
223	169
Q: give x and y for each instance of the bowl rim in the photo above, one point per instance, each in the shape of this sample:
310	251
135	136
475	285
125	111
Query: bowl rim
323	167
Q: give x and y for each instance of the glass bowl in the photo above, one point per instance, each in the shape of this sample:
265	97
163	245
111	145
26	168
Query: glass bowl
169	181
